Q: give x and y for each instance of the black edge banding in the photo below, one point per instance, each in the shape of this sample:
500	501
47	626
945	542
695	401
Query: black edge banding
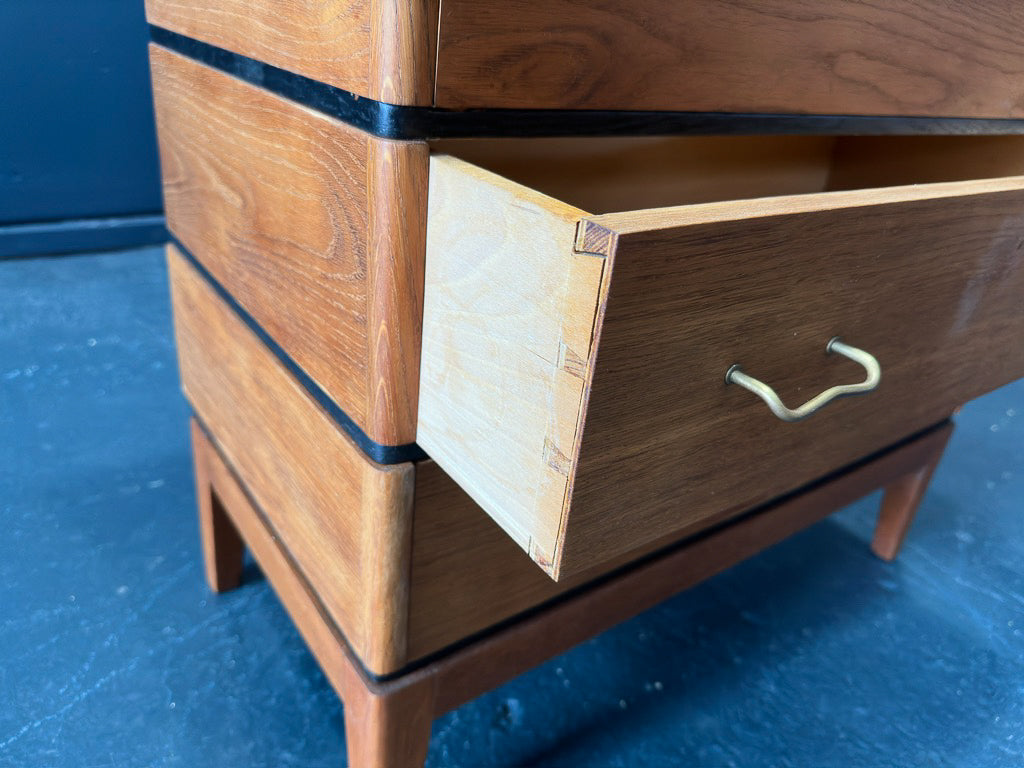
382	454
391	121
365	114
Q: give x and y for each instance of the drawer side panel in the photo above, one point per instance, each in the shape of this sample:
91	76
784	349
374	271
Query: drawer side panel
508	320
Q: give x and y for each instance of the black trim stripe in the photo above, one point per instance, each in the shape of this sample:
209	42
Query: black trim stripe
390	121
382	454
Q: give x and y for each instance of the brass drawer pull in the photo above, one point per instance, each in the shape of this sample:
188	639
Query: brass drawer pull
735	376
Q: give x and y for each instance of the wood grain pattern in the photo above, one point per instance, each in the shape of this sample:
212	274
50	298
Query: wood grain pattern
273	199
304	607
484	664
849	57
384	49
518	428
390	731
928	278
604	175
396	188
466	574
932	285
380	731
351	519
403	51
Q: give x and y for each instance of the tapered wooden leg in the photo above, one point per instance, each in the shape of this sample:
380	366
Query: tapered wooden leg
389	731
899	504
223	549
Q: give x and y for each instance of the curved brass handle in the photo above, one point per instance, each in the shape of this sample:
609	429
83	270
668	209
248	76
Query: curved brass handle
735	376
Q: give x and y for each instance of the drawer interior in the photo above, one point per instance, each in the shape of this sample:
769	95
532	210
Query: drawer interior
607	175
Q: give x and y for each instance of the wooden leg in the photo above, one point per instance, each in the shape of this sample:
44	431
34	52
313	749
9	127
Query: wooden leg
223	549
899	504
390	730
387	724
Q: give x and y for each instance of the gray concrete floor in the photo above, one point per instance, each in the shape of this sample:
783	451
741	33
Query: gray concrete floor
113	652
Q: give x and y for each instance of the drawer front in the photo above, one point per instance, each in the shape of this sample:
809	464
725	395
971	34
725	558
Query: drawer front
902	57
345	520
573	377
313	227
383	49
466	574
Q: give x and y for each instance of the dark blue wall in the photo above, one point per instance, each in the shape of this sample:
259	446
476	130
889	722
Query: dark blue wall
76	121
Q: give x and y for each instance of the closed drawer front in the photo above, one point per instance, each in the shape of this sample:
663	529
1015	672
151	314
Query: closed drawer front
315	228
901	57
574	359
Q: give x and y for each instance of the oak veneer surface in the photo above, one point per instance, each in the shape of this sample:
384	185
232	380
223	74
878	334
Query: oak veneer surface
383	49
850	57
350	519
928	278
275	200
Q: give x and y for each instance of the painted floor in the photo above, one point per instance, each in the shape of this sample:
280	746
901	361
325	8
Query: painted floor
113	652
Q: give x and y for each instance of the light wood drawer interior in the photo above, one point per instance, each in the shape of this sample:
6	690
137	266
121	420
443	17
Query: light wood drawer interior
585	298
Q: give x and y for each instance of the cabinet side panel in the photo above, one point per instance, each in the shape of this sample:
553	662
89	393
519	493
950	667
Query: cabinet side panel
333	509
328	40
271	198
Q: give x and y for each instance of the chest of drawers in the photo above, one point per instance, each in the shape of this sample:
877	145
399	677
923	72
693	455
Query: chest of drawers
495	320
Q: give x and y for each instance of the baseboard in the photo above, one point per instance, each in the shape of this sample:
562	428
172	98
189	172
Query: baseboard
51	238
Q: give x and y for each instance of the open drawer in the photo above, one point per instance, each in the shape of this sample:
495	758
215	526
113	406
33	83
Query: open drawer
575	358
